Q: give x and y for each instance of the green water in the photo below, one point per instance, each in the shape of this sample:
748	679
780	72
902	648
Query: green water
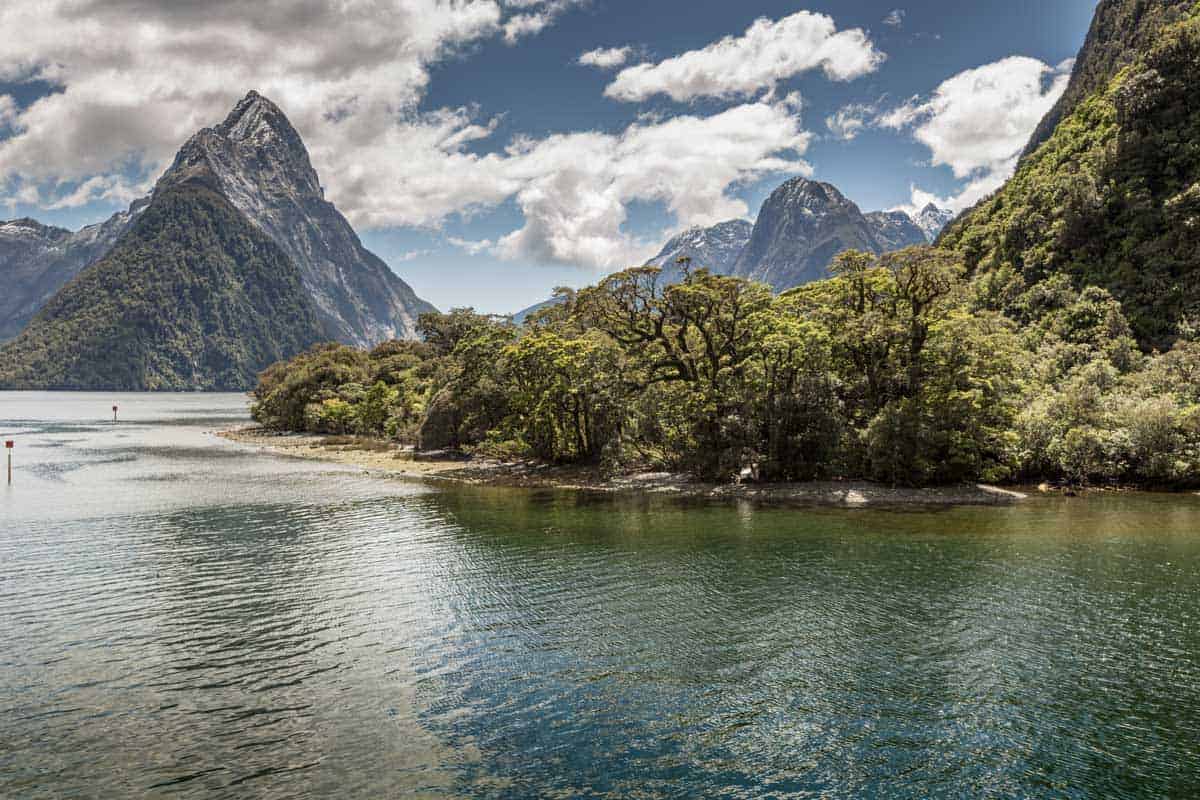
186	617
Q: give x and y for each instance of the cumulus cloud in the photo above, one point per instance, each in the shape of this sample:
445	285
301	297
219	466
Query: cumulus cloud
577	186
536	16
135	78
606	57
895	18
978	121
849	121
767	53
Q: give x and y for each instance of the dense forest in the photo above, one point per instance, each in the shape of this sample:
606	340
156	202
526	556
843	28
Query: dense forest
1052	334
893	369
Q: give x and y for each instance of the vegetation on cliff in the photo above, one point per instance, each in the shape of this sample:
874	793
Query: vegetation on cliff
1111	199
192	297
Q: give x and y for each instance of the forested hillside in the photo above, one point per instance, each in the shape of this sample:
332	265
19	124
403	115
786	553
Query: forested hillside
1112	197
191	297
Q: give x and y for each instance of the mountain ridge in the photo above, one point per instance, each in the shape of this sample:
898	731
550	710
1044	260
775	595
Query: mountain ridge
192	297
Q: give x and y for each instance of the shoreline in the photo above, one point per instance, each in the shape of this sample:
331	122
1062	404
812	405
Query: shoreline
389	460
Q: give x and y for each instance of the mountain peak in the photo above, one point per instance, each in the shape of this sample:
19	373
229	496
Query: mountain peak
256	117
813	195
254	151
932	219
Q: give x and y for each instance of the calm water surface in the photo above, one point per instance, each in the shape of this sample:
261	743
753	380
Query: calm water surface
184	617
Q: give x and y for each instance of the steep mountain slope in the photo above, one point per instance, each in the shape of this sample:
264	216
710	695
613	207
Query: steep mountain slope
37	260
1120	30
801	227
1112	197
715	248
894	230
932	220
260	164
193	296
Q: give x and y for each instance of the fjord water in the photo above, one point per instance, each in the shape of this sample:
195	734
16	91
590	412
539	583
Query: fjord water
186	617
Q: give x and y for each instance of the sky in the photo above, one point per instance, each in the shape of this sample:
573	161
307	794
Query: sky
490	150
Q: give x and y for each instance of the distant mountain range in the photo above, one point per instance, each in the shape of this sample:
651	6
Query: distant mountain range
36	260
799	230
716	249
159	295
141	301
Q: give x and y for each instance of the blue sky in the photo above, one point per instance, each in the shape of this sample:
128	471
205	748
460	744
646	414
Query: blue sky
477	155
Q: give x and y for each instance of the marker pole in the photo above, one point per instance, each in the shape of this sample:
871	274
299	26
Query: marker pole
8	448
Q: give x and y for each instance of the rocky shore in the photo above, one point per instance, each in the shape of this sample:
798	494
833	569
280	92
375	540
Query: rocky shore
390	460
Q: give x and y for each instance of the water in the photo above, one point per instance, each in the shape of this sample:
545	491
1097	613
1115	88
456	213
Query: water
185	617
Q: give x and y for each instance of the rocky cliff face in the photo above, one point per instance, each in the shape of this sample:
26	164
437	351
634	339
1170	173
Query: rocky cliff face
261	165
801	227
894	230
715	248
37	260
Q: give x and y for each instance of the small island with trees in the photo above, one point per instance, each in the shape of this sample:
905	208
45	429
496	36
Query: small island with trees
897	369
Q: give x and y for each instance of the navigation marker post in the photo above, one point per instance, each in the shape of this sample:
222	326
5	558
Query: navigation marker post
8	447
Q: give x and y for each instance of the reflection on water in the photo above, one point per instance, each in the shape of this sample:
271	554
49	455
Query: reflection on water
185	616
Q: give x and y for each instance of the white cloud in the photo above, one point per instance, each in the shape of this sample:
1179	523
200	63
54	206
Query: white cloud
577	186
767	53
471	246
606	57
135	78
849	121
411	255
112	188
8	111
978	122
538	15
895	18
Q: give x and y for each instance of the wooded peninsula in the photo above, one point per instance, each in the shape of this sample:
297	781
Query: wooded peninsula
897	369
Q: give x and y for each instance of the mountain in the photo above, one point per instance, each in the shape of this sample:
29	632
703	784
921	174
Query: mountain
193	296
522	315
801	227
715	248
1120	30
1111	197
894	230
257	161
261	165
932	220
36	260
